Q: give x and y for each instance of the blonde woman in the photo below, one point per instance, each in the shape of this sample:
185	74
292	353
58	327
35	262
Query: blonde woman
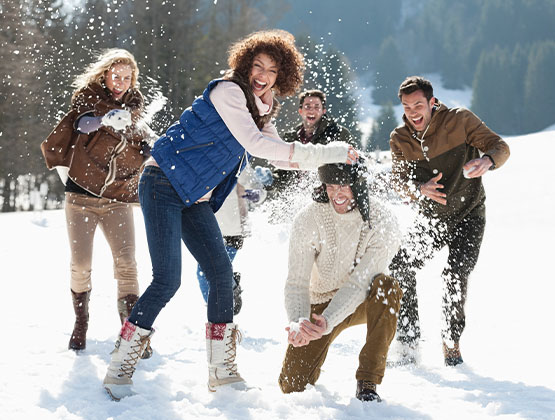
98	149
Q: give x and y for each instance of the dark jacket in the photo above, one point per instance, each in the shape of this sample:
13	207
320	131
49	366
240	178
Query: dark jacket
328	130
107	162
454	137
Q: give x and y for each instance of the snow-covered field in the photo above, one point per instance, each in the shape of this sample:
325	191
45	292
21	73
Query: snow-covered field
508	346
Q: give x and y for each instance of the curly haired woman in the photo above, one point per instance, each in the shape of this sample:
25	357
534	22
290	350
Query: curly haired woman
98	149
194	167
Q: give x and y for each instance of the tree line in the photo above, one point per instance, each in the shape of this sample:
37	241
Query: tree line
179	47
503	49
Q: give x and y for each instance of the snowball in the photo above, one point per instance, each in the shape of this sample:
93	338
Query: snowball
467	171
296	326
118	119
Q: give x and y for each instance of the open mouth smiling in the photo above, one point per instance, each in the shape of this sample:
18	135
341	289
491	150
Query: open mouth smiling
258	85
417	121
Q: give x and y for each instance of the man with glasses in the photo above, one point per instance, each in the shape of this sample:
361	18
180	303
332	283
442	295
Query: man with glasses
316	128
439	157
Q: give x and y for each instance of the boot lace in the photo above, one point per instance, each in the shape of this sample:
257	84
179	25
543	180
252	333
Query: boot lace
366	385
129	364
231	350
453	353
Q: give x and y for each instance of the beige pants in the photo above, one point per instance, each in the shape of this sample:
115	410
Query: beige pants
379	312
83	214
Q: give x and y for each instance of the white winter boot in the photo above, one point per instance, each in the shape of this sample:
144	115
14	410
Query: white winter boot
129	348
221	348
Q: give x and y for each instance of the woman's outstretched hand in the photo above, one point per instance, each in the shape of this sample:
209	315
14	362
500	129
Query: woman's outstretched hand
352	156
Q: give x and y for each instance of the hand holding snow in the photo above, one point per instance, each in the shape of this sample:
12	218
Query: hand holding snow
296	326
467	171
118	119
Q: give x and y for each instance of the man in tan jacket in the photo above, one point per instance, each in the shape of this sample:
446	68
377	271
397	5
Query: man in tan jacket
340	246
439	156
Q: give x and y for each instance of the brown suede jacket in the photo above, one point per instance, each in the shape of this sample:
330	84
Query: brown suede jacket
454	137
106	162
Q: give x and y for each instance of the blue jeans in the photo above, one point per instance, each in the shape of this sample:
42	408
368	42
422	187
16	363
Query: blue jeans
203	283
167	222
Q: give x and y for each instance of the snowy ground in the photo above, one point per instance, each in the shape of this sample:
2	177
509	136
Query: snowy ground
508	344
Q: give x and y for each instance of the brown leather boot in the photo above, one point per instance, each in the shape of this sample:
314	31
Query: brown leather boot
452	355
366	391
78	340
125	306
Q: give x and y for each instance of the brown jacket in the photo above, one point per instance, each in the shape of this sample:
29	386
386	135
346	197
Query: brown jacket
454	137
105	162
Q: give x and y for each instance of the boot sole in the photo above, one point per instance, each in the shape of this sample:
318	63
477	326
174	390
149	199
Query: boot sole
112	396
238	386
119	396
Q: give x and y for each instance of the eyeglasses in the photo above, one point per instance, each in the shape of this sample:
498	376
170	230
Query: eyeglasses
310	107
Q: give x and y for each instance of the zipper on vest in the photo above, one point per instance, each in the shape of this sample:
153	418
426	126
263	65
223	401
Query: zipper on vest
240	165
198	146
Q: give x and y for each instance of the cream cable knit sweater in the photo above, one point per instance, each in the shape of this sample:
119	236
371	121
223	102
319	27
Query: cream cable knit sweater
336	256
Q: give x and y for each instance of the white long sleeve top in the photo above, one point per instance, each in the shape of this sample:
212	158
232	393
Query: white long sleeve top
231	104
335	257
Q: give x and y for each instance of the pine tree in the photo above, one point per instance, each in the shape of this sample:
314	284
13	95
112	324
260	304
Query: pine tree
390	72
492	95
23	41
382	127
539	91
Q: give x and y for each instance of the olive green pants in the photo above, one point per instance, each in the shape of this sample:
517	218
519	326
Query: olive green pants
83	215
379	312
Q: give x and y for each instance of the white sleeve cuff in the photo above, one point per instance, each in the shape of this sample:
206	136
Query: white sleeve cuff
311	156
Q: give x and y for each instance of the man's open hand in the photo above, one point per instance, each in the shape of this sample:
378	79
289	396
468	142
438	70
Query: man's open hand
430	190
301	333
314	330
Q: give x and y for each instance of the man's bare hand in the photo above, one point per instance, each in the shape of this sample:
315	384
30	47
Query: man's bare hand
477	167
314	330
352	156
296	338
430	190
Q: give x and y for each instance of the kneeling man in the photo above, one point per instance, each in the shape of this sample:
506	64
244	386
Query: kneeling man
340	245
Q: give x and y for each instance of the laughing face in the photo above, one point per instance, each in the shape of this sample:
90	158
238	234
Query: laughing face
418	110
311	111
341	197
118	79
263	74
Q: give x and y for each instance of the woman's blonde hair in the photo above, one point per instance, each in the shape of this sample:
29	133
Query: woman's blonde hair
94	73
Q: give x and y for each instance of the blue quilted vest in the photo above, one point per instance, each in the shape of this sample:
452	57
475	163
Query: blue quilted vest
198	153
